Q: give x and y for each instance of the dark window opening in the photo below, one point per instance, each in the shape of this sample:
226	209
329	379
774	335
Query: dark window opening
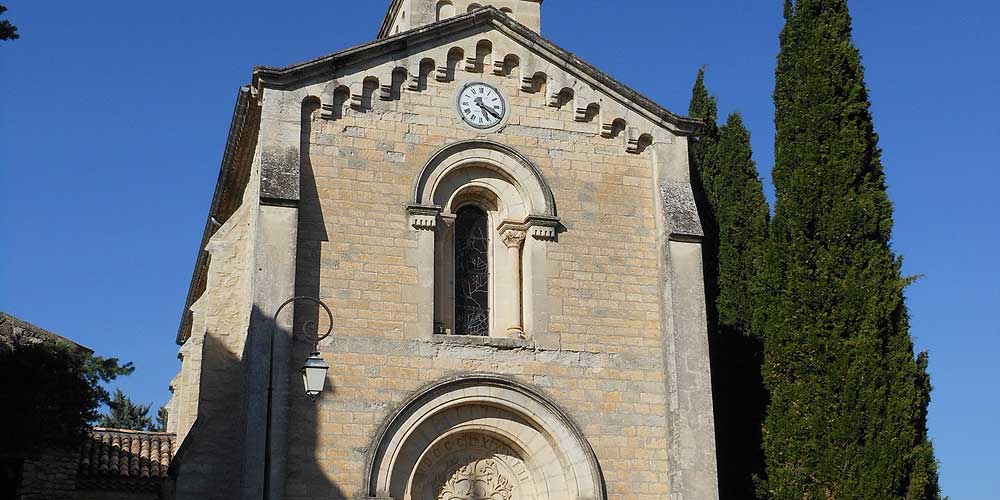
472	273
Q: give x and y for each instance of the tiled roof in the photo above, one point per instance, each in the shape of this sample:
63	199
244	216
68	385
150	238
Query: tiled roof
115	459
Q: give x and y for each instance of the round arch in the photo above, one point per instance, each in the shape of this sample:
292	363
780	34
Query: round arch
455	161
505	432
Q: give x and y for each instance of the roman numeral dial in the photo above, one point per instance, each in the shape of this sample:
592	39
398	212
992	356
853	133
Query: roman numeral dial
481	105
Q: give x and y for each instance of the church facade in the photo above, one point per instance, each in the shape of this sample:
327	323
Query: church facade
509	247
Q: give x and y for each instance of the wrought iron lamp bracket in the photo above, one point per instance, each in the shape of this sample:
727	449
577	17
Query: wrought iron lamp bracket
310	325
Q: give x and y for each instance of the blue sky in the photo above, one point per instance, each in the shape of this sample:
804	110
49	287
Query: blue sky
113	117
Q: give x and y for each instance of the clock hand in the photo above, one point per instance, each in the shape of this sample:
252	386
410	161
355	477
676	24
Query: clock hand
479	102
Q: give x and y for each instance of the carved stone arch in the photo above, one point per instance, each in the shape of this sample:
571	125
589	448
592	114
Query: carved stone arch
520	171
463	425
518	203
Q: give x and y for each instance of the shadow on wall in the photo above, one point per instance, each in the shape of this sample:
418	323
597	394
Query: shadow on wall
202	468
307	477
210	465
738	393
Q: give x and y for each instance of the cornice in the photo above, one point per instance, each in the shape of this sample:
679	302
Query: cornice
290	77
245	121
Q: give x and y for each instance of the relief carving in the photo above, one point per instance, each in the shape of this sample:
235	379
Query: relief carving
472	467
479	480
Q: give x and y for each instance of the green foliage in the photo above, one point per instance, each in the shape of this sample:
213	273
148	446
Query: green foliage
703	106
7	30
161	420
56	392
847	418
741	213
124	414
735	218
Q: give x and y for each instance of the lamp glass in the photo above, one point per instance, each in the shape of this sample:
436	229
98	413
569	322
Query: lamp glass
314	375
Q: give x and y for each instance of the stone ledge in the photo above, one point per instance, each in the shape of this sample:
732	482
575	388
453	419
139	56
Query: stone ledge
494	342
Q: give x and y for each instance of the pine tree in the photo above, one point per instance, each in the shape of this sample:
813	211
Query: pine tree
735	219
7	30
847	418
125	414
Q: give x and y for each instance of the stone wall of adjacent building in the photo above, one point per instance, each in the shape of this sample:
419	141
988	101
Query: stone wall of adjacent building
602	359
116	495
50	476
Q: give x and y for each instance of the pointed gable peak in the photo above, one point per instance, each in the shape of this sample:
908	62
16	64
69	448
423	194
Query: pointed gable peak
404	15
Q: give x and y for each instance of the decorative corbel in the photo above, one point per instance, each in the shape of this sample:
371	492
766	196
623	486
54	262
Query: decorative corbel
499	67
358	96
540	227
632	140
608	129
385	91
328	111
543	227
423	217
414	82
441	74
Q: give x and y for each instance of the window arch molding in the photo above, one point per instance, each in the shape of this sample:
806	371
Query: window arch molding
450	165
521	217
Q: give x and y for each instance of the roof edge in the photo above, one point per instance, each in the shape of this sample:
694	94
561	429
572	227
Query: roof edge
131	431
390	15
43	332
244	99
288	76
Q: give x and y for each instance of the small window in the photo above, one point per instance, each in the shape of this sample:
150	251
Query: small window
445	9
472	272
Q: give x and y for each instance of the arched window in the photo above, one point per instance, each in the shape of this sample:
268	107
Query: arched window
472	272
490	213
445	9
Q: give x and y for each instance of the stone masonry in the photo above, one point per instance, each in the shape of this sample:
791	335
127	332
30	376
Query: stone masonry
319	179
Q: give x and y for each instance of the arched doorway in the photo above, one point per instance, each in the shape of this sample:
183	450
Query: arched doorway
481	437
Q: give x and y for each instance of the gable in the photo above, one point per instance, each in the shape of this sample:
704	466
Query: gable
484	41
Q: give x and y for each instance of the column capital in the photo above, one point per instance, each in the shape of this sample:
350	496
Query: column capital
513	238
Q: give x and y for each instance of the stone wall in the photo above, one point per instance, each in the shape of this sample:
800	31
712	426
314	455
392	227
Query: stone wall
207	390
602	358
613	309
52	476
116	495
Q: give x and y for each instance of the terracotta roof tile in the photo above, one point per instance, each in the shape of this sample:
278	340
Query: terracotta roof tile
116	459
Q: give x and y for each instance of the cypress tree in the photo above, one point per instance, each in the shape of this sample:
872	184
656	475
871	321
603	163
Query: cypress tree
847	417
701	151
736	218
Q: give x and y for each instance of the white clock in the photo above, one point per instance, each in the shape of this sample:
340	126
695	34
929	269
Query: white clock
481	105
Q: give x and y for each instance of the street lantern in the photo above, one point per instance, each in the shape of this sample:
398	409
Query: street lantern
314	375
314	370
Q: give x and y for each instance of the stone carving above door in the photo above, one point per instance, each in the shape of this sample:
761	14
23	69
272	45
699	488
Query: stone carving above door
477	480
472	466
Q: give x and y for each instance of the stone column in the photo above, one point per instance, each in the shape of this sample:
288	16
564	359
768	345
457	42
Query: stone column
514	238
444	256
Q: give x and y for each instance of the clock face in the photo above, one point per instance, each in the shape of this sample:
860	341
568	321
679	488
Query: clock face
481	105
